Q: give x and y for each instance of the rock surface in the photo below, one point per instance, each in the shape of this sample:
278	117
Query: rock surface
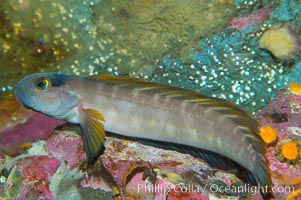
20	127
55	167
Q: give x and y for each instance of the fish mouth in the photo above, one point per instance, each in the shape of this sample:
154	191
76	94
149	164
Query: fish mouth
23	97
19	94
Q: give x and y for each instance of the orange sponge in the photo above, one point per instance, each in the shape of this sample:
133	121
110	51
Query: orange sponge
295	88
290	150
268	134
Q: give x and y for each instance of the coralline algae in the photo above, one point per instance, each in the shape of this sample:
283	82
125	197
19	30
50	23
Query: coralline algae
254	19
67	147
30	178
283	114
25	128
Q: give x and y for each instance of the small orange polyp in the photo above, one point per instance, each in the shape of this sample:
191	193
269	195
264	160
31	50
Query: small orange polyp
25	146
290	150
268	134
295	88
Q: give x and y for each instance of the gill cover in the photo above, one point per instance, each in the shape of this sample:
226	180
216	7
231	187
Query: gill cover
47	93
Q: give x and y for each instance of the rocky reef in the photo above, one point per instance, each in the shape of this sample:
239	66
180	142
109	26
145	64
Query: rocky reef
54	167
18	132
244	51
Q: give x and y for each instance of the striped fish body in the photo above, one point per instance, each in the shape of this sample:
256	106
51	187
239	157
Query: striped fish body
136	108
167	114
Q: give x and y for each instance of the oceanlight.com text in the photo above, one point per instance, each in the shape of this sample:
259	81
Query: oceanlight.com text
213	188
250	189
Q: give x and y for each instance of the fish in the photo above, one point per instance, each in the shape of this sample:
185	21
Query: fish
212	129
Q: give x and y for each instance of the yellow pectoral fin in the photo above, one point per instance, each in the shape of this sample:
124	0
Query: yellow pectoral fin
93	132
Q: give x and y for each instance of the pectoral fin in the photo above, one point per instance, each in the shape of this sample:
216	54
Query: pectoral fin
92	132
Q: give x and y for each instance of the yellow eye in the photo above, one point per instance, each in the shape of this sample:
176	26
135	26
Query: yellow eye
43	84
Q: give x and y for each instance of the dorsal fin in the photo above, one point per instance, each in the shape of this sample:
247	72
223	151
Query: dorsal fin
111	78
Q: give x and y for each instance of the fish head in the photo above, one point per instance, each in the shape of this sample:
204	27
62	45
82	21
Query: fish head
47	93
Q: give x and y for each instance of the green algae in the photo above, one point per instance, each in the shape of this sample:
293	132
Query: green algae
142	32
35	37
95	194
96	37
13	185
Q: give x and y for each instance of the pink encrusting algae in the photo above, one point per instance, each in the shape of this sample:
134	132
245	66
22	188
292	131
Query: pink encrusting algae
66	147
283	157
37	171
256	17
35	127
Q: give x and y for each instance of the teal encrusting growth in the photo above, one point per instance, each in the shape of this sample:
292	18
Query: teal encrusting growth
140	109
231	65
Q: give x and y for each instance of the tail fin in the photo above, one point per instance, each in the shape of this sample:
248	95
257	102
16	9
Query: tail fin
263	177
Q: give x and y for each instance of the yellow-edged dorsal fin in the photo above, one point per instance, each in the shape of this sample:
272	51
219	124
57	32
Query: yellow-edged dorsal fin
93	132
109	77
